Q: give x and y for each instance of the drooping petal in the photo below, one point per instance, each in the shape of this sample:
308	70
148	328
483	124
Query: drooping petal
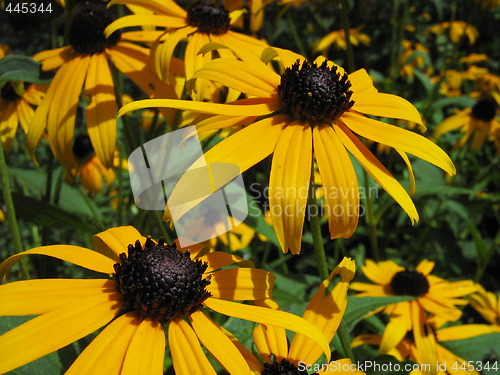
166	7
52	59
241	284
240	76
114	241
101	112
324	311
218	344
56	329
379	173
401	139
163	53
339	182
146	352
425	340
243	149
385	105
74	254
266	107
462	332
144	19
269	341
252	361
413	185
270	317
219	259
395	331
194	61
369	290
35	297
105	354
452	123
187	354
289	184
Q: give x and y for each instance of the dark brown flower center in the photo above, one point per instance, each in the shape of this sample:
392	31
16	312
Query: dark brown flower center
317	94
161	282
8	93
282	368
82	147
485	109
86	32
208	17
409	283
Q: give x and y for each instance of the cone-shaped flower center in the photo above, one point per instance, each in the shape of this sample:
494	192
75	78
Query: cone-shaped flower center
409	283
160	281
208	17
282	368
8	93
86	33
317	94
82	147
485	109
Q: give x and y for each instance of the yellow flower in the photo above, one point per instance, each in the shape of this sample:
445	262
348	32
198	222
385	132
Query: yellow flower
436	296
153	286
411	58
492	4
457	30
488	85
324	311
17	109
444	358
338	39
312	108
478	122
204	22
488	305
86	63
256	10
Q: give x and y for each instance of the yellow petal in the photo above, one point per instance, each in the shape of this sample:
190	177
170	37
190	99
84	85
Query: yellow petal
101	112
244	149
289	184
241	284
144	19
462	332
194	61
339	182
268	106
324	311
35	297
61	117
74	254
239	75
114	241
164	52
413	185
425	267
219	259
218	344
452	123
56	329
394	332
425	340
361	83
105	354
187	355
269	341
270	317
146	352
385	105
253	363
167	7
399	138
379	173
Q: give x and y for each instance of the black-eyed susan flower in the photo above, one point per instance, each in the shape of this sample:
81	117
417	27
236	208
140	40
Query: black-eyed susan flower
447	362
325	311
17	108
338	39
153	286
85	64
457	30
91	172
205	21
476	123
434	295
311	108
412	58
488	305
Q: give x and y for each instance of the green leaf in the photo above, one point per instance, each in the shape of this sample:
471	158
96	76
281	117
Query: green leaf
20	68
256	220
476	348
48	365
48	215
359	307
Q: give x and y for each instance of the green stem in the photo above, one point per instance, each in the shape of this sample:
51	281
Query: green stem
345	340
343	7
10	209
315	225
295	35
